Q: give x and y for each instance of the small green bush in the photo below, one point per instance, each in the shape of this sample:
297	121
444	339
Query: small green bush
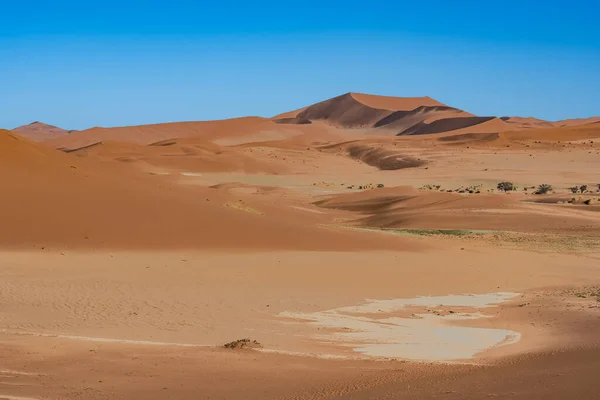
544	188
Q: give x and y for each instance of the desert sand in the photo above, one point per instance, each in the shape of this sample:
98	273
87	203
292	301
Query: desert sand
361	245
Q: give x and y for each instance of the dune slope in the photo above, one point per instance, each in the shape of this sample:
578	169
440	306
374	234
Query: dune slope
55	199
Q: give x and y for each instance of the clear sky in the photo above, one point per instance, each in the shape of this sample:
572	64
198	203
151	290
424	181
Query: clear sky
78	64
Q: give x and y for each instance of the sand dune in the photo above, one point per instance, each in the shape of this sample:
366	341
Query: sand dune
355	110
147	134
398	116
182	155
58	200
377	156
395	103
410	208
458	125
563	133
400	121
532	122
345	111
39	132
132	254
577	121
355	113
527	122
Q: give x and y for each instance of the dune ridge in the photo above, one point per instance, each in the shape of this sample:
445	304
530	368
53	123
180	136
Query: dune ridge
363	114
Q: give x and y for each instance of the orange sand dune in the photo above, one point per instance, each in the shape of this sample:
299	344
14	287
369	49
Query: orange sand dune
459	125
405	207
577	121
344	111
185	155
229	132
247	153
39	132
494	137
375	155
395	103
532	122
289	114
401	121
58	200
147	134
387	103
563	133
393	115
527	122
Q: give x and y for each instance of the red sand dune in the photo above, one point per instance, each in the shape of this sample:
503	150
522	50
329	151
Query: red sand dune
39	132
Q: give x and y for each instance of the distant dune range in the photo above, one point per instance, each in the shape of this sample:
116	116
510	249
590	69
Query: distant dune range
409	116
341	118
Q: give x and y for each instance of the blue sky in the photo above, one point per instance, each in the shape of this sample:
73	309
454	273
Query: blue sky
108	63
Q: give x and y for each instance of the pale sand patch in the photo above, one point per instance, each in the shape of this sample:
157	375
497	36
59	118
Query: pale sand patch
425	337
307	209
101	339
7	397
160	173
191	174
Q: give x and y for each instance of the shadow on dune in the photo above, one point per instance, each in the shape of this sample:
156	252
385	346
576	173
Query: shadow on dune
405	207
470	137
445	125
293	121
383	159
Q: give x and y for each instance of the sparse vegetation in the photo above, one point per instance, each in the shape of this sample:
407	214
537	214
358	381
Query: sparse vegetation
243	344
431	232
574	189
431	187
380	185
544	188
506	186
585	293
474	189
583	188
